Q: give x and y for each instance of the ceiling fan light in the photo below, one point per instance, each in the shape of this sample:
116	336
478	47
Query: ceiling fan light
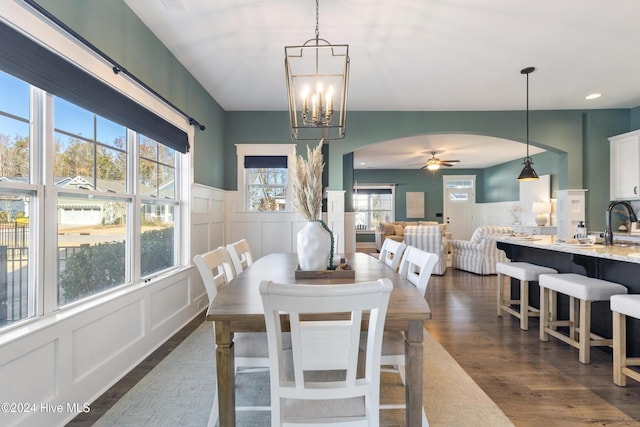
528	174
433	166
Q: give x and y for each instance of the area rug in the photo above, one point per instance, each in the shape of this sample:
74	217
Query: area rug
179	391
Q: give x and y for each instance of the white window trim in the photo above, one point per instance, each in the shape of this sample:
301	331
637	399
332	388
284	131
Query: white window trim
243	150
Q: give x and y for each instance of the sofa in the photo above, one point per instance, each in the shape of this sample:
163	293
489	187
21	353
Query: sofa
429	238
480	254
394	231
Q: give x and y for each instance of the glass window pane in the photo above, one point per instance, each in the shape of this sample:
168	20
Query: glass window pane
70	118
267	198
111	169
111	133
16	294
14	149
74	158
166	182
166	155
157	169
91	246
148	148
266	189
157	238
14	96
148	177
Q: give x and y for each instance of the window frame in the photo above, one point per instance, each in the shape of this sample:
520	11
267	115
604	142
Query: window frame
243	150
370	189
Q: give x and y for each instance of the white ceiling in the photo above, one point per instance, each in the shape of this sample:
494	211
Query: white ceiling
408	55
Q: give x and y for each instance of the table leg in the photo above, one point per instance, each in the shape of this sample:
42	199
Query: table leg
226	374
414	366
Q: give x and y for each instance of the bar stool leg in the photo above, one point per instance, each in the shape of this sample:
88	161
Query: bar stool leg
500	295
524	305
573	320
544	313
585	332
619	348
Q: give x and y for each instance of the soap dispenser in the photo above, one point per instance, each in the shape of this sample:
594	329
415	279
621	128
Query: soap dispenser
581	230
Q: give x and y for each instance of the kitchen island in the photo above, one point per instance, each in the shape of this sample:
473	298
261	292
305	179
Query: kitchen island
617	263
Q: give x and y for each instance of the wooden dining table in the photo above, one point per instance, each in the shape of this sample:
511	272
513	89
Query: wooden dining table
238	308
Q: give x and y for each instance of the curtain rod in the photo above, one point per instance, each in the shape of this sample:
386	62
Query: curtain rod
117	68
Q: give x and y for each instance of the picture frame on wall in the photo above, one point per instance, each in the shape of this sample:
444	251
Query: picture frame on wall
415	204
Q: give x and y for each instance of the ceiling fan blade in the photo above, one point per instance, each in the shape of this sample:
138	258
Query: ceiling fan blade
449	161
446	164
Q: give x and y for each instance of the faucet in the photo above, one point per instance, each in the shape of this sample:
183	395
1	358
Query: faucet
608	233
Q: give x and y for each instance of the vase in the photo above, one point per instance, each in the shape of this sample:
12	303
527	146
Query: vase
314	247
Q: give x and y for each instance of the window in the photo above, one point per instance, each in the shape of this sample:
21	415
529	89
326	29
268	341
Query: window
462	184
266	180
92	204
373	205
157	185
17	292
263	176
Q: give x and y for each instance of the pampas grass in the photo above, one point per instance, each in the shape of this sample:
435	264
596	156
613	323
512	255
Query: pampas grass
307	183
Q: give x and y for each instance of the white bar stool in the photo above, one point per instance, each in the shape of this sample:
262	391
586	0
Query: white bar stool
525	273
623	306
578	288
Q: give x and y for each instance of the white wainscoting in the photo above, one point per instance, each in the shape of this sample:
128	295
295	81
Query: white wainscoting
71	358
266	232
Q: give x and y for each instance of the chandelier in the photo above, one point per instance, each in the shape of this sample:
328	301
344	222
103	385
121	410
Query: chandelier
528	173
317	82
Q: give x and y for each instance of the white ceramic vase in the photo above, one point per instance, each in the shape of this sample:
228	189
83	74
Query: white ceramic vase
314	247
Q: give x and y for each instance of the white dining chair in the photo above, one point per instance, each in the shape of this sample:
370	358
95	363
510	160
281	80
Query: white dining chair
416	266
316	382
251	349
241	256
391	253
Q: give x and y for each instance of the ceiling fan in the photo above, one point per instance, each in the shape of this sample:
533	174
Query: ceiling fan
434	163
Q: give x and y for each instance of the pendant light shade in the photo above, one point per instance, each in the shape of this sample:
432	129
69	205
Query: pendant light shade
528	173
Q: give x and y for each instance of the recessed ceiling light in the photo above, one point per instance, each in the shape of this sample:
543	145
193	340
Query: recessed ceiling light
362	163
593	96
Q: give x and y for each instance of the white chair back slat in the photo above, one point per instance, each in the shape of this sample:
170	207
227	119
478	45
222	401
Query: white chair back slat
325	352
416	266
391	253
241	256
215	268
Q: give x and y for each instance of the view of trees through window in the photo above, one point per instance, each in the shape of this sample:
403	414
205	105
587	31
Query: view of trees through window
266	189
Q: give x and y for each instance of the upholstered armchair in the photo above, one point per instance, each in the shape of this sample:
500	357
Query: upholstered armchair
480	254
429	238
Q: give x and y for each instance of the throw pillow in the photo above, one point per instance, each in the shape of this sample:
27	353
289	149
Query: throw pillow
399	230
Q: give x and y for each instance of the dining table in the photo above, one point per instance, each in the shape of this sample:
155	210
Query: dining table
238	308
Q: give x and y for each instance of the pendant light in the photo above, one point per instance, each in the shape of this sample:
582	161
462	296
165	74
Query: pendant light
317	85
528	174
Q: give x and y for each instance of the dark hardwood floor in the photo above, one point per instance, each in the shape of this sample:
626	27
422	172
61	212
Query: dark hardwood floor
535	383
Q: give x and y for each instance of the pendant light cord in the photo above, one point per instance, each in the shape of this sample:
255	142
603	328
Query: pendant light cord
527	114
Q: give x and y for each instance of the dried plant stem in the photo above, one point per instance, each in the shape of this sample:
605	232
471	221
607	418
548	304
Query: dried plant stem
307	183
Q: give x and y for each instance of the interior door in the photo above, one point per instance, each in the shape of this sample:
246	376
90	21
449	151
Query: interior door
459	203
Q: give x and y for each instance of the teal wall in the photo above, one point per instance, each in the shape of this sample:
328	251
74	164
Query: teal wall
578	157
114	29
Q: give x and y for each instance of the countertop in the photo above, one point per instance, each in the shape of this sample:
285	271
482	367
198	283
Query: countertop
619	252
